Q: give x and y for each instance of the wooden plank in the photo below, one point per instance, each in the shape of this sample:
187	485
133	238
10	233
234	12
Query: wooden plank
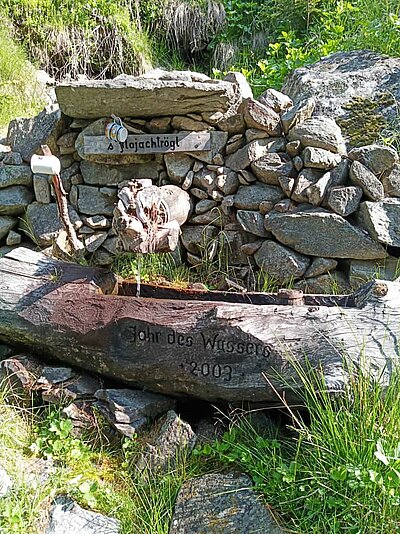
148	143
216	351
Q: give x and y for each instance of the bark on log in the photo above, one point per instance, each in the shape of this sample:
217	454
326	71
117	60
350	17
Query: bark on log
211	350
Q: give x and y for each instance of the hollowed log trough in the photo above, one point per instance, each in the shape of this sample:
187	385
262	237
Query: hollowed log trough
209	345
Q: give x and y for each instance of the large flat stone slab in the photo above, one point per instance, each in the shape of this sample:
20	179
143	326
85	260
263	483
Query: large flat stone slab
141	97
382	220
221	504
320	233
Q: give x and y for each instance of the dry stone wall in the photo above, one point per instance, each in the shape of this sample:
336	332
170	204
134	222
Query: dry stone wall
276	192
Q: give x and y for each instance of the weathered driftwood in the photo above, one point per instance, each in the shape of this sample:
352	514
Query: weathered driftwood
143	220
211	350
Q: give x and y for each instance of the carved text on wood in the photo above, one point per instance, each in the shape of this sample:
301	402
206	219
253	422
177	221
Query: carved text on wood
148	143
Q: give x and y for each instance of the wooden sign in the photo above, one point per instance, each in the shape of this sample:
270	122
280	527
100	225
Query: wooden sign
148	143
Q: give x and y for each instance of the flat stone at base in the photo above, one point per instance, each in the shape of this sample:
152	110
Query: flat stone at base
221	504
67	517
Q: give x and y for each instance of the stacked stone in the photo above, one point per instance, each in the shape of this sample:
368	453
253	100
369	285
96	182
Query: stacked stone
276	192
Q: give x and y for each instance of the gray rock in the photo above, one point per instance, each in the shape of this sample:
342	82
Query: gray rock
5	351
130	405
298	163
382	220
197	239
334	282
376	158
66	516
268	168
67	174
287	184
5	482
212	217
236	142
337	176
284	205
97	174
55	375
141	97
339	79
204	205
95	201
94	241
221	504
281	262
178	165
188	124
344	200
361	271
320	233
318	158
249	197
246	155
297	114
319	132
173	442
252	222
41	188
320	266
254	133
275	100
391	181
228	183
256	115
230	243
6	224
27	135
232	124
251	248
14	200
78	387
241	83
369	183
246	177
67	140
305	180
15	175
199	193
188	181
293	148
12	158
110	245
159	125
97	222
103	257
44	223
205	179
13	238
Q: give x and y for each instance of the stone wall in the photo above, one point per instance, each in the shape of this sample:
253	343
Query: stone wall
277	192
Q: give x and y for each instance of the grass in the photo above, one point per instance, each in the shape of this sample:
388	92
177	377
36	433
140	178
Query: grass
337	472
96	471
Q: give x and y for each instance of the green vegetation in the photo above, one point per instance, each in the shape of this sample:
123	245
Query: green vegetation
339	472
96	470
19	92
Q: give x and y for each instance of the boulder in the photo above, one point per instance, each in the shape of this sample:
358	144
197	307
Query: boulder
319	132
249	197
15	175
95	201
246	155
320	266
268	168
369	183
318	158
6	224
256	115
358	88
275	100
129	96
299	113
66	516
101	175
280	262
221	504
197	239
252	222
320	233
391	181
43	222
382	220
337	176
376	158
14	200
344	200
27	135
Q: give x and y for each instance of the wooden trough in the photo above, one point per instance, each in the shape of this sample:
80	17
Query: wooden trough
209	345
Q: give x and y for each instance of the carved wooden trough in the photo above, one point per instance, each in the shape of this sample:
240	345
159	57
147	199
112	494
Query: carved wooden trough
214	346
